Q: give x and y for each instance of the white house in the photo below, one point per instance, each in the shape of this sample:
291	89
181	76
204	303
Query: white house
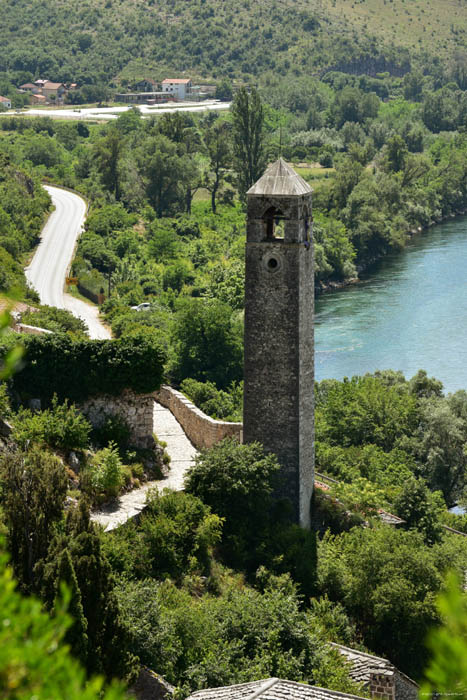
5	102
178	87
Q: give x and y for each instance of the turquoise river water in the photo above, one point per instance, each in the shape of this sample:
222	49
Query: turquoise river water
409	312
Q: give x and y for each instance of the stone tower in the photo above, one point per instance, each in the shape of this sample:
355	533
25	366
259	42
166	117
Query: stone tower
279	303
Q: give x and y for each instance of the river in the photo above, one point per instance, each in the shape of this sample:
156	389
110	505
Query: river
409	312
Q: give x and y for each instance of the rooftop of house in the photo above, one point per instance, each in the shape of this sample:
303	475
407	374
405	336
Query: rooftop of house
49	85
28	85
363	665
4	99
280	179
271	689
176	81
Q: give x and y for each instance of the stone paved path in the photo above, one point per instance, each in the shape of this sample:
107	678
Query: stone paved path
182	454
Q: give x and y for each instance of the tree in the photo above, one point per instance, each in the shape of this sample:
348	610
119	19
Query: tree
218	147
447	668
248	138
386	579
34	487
75	555
207	343
420	509
237	482
108	153
67	586
396	153
224	91
164	174
33	660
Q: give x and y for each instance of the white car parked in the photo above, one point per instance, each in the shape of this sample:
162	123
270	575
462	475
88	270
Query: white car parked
146	306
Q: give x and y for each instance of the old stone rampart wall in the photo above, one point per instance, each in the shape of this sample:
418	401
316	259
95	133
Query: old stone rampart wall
31	330
137	410
200	429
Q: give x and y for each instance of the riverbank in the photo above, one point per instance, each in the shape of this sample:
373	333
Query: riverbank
408	312
323	287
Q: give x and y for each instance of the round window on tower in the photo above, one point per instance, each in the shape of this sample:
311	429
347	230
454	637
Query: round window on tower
272	261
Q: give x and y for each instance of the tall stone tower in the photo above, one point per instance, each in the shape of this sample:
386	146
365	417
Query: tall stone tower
279	303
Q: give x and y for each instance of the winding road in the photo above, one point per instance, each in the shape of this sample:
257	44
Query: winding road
50	264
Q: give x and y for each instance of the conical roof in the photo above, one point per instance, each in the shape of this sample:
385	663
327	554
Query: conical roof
280	179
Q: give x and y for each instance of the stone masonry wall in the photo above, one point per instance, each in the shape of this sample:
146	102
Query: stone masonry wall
406	688
382	685
136	409
202	430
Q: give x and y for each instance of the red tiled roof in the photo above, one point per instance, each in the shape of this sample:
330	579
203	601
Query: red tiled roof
177	81
4	99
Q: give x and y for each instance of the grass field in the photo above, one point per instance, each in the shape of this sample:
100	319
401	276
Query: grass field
437	25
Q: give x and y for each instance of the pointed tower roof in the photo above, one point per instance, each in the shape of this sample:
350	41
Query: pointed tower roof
280	179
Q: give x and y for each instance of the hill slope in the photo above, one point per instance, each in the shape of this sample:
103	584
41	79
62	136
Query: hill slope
119	40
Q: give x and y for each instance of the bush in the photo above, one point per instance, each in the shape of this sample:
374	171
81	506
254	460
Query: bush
174	537
114	429
237	482
223	405
54	319
105	473
61	426
79	369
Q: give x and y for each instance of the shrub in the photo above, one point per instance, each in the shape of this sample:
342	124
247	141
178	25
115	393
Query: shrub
174	537
79	369
4	401
61	426
105	472
237	482
114	429
54	319
223	405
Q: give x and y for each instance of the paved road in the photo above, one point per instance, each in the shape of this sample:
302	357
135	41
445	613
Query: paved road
182	454
51	261
114	112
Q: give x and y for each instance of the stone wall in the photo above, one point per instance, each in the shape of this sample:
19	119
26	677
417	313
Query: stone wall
405	687
382	685
31	330
202	430
136	409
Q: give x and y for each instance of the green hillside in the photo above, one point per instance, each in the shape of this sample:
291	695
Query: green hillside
115	41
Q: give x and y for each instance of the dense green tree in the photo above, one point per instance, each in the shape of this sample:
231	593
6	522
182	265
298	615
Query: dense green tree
237	482
34	487
108	153
241	635
175	537
218	147
67	585
420	509
386	579
363	410
207	342
34	661
248	138
164	174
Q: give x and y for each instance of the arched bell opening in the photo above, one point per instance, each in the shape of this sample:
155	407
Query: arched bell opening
274	224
